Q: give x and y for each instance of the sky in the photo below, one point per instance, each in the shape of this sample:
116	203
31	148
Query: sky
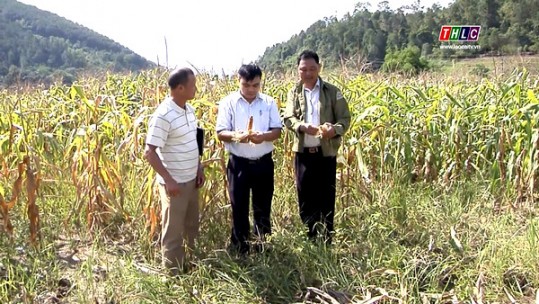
212	35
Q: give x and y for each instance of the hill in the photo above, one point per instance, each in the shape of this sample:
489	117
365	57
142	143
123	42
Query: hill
39	46
365	38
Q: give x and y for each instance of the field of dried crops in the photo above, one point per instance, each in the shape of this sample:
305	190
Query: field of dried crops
437	190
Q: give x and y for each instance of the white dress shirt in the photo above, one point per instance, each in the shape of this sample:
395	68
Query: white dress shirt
312	98
233	115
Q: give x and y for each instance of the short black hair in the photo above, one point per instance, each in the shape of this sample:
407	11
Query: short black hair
179	76
308	54
250	71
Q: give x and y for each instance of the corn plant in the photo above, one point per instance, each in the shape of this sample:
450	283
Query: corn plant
91	136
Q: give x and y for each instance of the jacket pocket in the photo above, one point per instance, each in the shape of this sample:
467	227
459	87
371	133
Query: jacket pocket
336	142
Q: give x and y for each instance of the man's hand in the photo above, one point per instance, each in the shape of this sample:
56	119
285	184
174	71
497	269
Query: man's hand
172	188
309	129
327	131
241	136
200	177
257	137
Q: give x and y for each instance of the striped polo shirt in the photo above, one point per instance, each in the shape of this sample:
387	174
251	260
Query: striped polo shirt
173	131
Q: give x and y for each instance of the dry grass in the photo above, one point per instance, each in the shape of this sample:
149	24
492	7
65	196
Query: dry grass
437	194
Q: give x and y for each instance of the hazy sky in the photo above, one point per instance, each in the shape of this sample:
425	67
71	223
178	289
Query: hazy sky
218	34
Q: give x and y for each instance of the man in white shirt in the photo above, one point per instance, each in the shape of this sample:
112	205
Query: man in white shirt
248	122
172	151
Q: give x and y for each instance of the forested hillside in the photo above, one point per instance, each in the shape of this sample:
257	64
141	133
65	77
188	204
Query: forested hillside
38	46
369	34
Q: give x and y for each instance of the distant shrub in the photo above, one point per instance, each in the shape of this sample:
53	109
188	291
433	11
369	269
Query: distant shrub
407	60
480	70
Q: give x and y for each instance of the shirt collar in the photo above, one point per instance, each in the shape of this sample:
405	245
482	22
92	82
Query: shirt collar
238	97
316	86
175	106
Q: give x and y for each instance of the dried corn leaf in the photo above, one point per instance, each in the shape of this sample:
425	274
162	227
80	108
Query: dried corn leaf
10	142
17	185
479	290
4	211
5	169
5	206
455	242
32	186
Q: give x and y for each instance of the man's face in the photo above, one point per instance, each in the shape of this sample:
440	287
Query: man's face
189	89
308	71
249	89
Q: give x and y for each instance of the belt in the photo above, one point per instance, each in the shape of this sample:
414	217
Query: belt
312	150
252	160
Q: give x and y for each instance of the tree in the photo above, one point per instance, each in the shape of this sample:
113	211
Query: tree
407	60
507	25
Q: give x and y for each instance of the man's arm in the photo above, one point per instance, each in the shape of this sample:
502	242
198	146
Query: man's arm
229	136
260	137
153	159
156	137
272	134
342	114
171	186
291	121
342	117
200	175
223	125
275	124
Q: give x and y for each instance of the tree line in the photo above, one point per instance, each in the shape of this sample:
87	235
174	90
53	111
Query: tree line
369	38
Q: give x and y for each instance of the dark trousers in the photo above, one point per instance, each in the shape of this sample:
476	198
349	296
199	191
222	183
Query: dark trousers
315	182
244	176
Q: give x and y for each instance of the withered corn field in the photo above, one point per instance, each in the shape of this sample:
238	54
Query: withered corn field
437	199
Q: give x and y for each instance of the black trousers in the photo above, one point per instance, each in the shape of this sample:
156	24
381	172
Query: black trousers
244	176
315	182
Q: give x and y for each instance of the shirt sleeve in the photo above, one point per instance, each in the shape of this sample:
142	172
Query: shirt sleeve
224	116
158	129
275	118
291	114
342	114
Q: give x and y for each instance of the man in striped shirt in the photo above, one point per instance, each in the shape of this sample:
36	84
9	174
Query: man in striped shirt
172	151
248	122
